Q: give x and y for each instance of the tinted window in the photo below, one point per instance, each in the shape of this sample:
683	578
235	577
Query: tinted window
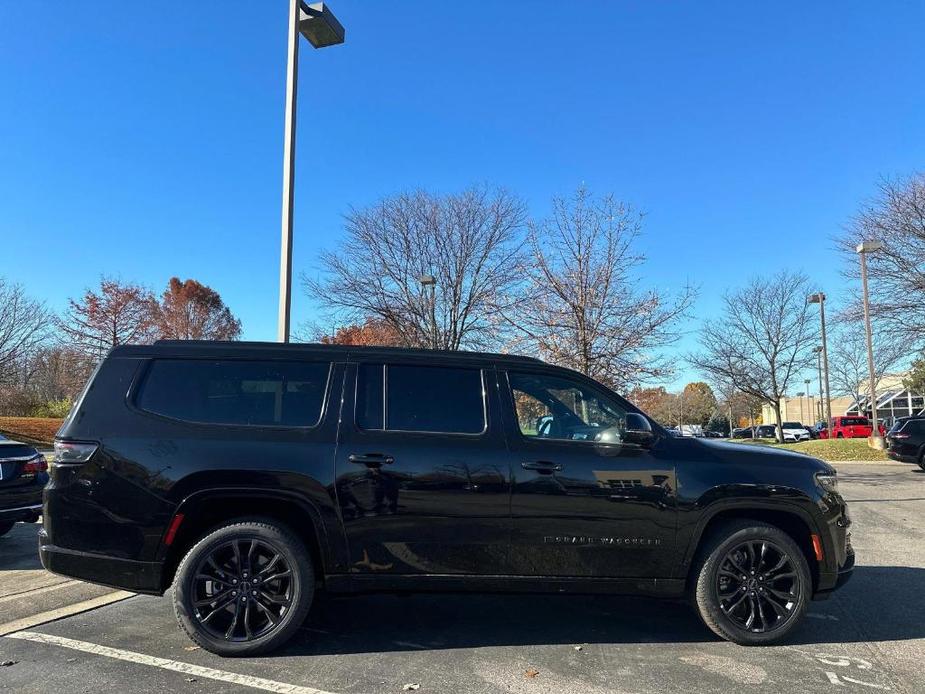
421	398
257	393
558	408
855	421
370	407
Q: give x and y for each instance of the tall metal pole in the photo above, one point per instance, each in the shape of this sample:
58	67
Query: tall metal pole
433	310
872	389
825	364
285	258
819	369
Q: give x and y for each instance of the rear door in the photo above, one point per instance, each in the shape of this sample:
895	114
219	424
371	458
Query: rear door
422	474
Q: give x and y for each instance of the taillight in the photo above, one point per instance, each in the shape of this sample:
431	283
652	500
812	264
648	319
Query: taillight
36	465
73	452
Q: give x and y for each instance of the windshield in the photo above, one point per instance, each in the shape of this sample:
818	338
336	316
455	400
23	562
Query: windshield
792	425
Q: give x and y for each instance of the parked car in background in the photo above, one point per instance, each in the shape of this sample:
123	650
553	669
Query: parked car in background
850	427
795	432
23	474
906	440
246	476
743	433
766	431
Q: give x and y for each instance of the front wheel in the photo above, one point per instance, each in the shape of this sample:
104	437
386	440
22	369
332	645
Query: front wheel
752	584
244	588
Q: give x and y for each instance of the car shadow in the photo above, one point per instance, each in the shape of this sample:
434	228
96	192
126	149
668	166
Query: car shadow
880	603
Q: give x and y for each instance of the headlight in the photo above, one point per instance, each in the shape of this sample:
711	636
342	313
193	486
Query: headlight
827	481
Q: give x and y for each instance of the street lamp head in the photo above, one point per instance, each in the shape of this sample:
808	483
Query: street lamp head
319	25
816	298
869	246
427	280
817	349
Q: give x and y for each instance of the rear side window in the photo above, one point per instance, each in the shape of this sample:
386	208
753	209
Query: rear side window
16	451
252	393
420	398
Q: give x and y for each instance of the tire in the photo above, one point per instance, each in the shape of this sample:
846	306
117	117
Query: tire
6	526
839	435
921	464
713	578
273	565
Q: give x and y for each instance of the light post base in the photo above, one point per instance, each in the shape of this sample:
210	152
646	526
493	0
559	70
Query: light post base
876	442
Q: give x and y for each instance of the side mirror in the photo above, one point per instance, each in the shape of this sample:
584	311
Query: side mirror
638	430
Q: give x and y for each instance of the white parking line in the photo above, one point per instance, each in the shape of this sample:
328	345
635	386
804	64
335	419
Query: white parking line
166	664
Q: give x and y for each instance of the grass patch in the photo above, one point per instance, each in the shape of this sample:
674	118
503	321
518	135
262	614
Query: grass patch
832	450
30	429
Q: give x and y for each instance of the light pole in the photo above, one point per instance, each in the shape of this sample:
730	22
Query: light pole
819	298
430	281
809	401
863	249
317	24
818	351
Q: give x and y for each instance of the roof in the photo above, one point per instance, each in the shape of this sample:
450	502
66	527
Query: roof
226	348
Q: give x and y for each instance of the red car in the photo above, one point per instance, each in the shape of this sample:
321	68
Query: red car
847	428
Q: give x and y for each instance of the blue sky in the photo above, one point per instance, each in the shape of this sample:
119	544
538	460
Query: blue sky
144	140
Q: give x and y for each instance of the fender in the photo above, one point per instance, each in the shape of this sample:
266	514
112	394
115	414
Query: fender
327	528
717	506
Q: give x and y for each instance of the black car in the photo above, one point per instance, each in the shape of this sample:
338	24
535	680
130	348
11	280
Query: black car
249	475
743	433
23	474
906	440
766	431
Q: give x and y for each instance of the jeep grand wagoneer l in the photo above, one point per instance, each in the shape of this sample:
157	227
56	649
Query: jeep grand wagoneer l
248	476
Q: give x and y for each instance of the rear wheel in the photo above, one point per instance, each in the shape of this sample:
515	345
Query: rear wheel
245	588
752	584
5	527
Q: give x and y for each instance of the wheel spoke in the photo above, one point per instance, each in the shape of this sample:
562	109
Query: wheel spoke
247	616
764	550
269	565
751	613
764	619
786	597
779	609
218	608
734	605
778	577
237	556
213	599
250	554
733	560
234	622
274	620
275	600
215	566
276	576
784	560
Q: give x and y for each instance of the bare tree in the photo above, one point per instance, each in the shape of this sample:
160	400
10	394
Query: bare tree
582	307
763	341
848	363
468	243
896	274
119	313
24	325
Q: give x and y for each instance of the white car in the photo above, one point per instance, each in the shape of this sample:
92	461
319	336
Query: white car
794	432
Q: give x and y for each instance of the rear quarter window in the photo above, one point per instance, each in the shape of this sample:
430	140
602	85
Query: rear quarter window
244	393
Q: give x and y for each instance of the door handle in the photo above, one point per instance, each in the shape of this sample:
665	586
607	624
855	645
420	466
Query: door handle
544	467
371	459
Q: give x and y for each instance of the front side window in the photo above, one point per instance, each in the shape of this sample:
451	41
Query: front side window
552	407
420	398
251	393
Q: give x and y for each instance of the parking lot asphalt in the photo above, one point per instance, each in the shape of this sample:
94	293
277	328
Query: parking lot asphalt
870	636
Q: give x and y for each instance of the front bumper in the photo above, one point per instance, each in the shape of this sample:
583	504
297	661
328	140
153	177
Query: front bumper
126	574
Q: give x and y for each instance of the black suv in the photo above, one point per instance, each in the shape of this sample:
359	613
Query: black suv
906	440
23	474
249	475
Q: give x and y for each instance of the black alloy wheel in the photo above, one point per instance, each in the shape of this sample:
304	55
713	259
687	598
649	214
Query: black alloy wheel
757	586
244	588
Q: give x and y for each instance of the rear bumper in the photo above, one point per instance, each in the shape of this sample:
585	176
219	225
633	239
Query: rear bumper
902	458
125	574
21	513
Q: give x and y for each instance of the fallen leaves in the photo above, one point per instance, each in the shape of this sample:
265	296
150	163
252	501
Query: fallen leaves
410	687
531	673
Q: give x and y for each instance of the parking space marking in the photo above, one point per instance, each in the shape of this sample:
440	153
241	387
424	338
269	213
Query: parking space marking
37	591
61	612
166	664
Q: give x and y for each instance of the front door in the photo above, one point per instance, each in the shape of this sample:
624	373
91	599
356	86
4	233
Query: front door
422	474
584	502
